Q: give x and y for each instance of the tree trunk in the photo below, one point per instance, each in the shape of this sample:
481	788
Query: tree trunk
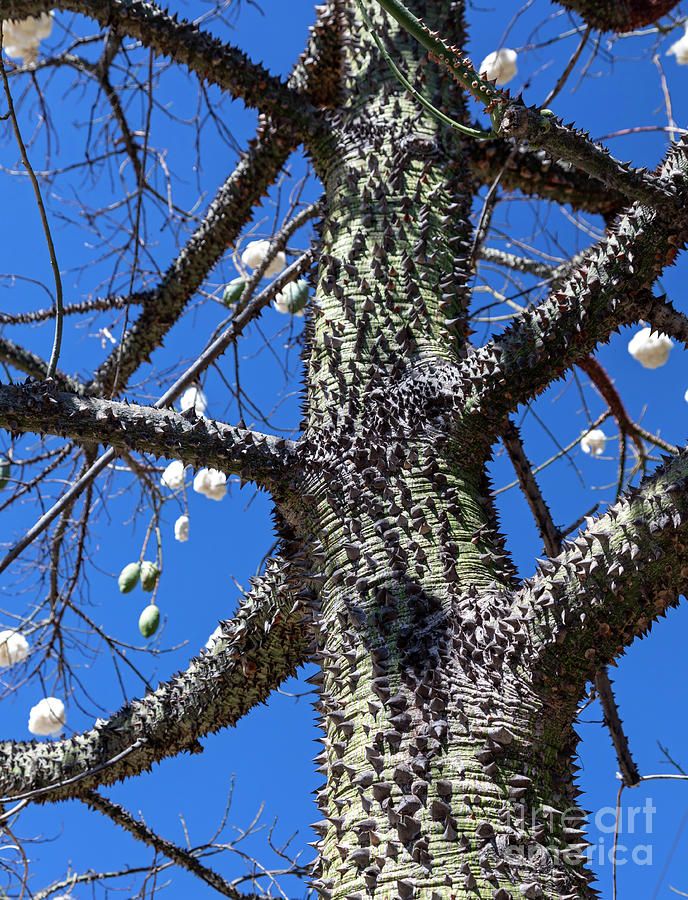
446	765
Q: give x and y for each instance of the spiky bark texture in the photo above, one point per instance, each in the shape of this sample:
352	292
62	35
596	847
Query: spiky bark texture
447	689
620	15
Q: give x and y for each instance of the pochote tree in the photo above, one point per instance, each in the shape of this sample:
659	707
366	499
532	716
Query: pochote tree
448	686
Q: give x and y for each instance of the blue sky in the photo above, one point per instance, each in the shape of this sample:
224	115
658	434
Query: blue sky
268	757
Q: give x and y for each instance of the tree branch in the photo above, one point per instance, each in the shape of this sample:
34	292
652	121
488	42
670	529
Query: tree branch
178	855
550	534
218	346
80	307
627	568
551	537
612	719
619	15
25	361
208	57
533	173
609	287
662	316
563	142
260	647
227	215
41	408
604	384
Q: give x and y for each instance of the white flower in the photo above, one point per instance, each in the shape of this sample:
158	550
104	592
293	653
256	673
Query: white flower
593	442
181	529
193	397
255	253
21	38
13	648
47	716
173	476
215	636
650	349
211	483
292	298
499	66
680	49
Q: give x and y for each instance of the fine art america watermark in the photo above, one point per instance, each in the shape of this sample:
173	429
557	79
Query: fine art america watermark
555	837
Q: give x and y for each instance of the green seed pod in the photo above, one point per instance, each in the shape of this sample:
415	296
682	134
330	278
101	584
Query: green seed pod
149	620
129	577
233	291
4	471
296	295
149	575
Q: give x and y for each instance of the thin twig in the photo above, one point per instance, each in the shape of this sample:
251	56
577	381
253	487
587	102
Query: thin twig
143	833
57	341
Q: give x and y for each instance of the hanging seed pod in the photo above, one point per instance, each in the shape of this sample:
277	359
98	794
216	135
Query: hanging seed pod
129	578
233	291
4	471
149	620
149	575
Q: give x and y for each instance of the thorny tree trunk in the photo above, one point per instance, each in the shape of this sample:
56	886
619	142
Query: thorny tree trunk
448	689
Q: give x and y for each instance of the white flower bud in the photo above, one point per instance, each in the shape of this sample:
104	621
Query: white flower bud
499	66
181	529
14	648
22	37
211	483
280	304
47	716
255	253
593	442
44	25
650	349
173	476
679	49
193	398
292	298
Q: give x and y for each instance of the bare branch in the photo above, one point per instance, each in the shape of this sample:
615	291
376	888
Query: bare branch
550	534
79	308
260	647
40	408
627	568
227	215
533	173
606	289
612	720
209	57
142	832
31	364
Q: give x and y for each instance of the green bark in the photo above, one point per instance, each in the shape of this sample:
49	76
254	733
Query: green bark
432	734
